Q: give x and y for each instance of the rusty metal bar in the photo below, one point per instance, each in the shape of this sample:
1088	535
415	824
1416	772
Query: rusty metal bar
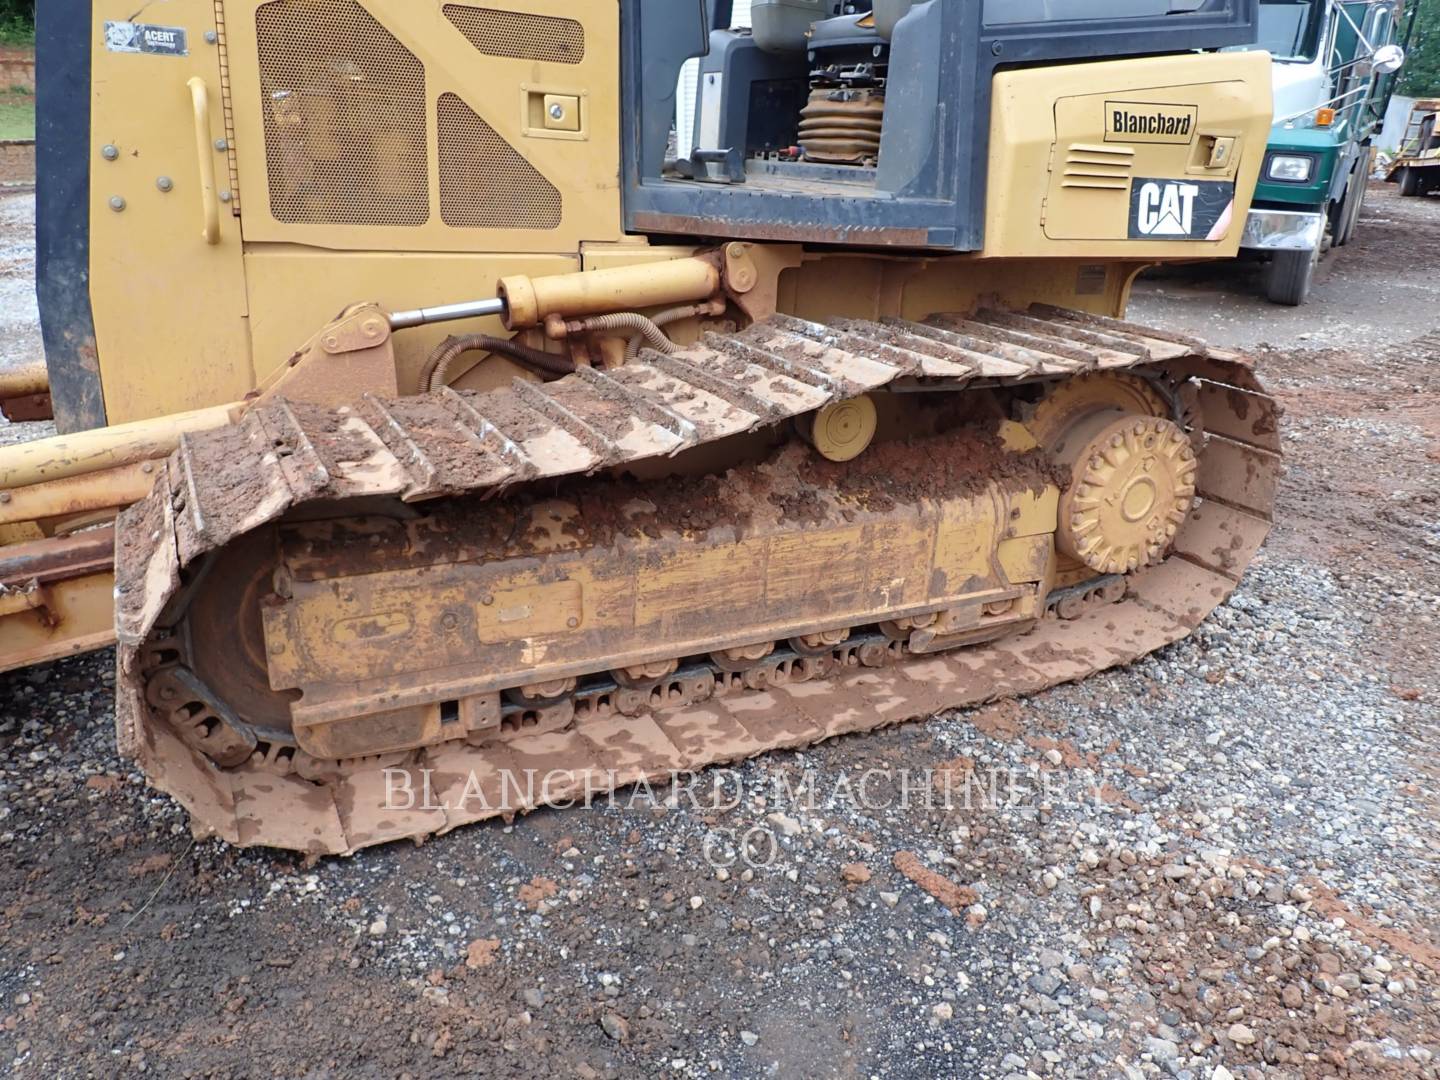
29	378
57	558
104	490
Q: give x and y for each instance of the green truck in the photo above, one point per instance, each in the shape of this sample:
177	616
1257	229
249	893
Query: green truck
1334	70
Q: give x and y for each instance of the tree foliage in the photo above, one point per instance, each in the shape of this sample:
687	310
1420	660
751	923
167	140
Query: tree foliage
17	21
1421	74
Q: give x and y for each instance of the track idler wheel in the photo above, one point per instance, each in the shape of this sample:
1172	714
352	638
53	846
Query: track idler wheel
841	430
1132	486
1132	469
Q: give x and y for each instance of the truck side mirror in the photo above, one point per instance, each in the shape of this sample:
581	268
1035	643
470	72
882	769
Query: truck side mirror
1387	59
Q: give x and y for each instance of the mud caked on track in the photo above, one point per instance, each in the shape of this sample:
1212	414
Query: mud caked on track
613	630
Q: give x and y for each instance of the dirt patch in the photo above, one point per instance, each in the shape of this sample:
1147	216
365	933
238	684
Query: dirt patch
17	163
999	721
537	892
953	895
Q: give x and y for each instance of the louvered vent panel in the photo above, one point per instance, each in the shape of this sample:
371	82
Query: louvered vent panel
1093	165
344	108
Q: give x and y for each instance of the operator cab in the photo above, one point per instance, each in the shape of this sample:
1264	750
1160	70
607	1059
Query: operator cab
867	121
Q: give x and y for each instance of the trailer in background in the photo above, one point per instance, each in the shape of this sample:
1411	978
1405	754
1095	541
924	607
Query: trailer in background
1416	166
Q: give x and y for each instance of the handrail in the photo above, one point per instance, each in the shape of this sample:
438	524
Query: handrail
209	200
1329	104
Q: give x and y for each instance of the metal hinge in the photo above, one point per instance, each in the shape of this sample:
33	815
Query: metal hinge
1049	171
227	109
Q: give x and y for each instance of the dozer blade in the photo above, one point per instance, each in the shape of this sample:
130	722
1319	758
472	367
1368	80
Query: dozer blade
321	608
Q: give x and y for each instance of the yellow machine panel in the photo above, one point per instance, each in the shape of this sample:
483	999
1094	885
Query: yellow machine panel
292	286
167	280
1070	147
418	139
405	126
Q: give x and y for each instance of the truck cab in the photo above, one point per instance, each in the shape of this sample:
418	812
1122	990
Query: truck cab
1334	69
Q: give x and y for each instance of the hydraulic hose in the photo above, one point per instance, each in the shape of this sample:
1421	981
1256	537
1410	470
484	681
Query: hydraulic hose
548	365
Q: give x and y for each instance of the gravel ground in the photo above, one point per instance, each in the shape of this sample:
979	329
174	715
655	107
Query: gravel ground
19	316
1220	862
19	313
1378	290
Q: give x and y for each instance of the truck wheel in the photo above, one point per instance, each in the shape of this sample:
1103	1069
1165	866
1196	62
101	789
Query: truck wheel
1288	281
1350	209
1409	181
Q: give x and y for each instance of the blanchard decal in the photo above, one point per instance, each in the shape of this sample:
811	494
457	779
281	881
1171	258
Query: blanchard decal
143	38
1139	121
1162	209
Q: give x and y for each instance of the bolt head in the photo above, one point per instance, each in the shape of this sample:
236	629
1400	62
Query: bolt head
211	37
557	111
109	152
164	183
221	144
117	203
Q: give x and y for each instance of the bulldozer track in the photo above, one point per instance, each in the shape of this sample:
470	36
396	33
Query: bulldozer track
248	787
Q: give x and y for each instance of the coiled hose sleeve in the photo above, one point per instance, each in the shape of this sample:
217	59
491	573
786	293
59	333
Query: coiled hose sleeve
641	329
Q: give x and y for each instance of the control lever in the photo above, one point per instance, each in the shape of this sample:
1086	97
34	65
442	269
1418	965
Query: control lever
695	167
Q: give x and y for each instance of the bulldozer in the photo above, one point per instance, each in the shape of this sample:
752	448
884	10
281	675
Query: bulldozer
440	404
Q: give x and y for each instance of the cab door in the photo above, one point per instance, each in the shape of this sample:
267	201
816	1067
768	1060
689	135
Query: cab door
167	279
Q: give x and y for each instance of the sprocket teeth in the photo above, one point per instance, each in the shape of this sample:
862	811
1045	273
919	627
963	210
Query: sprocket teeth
1133	491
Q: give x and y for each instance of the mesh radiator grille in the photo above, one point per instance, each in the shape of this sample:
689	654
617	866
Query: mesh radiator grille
517	34
484	182
344	109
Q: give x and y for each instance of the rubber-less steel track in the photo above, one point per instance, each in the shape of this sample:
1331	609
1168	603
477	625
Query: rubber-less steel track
220	486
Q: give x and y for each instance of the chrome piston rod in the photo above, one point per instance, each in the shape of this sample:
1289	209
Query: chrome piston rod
469	309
